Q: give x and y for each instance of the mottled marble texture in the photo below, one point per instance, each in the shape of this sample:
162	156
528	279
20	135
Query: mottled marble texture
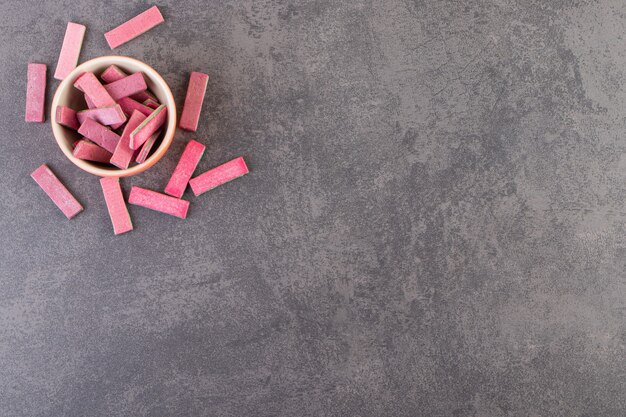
434	223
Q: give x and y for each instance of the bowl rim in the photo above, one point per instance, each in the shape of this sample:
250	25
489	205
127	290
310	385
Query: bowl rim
87	166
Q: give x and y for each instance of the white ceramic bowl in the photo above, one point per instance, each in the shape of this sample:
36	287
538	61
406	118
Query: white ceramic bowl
67	95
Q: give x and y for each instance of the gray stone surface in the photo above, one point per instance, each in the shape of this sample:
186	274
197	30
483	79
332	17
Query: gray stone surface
434	222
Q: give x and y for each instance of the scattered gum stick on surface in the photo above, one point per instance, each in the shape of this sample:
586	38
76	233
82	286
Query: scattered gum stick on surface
118	212
99	134
218	176
64	200
134	27
128	105
89	151
89	84
127	86
123	153
112	73
153	104
68	57
184	170
90	103
159	202
193	101
142	155
152	123
110	115
35	93
66	117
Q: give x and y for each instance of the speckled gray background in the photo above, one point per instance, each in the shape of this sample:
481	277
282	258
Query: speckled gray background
434	223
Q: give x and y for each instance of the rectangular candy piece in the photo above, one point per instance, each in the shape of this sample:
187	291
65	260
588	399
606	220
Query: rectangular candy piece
35	93
99	134
184	170
159	202
116	205
127	86
218	176
56	191
148	127
66	117
142	155
193	101
72	42
153	104
134	27
112	73
89	84
89	151
128	105
90	103
110	115
123	153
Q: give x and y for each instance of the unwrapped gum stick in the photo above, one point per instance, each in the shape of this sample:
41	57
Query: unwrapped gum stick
134	27
126	86
89	151
66	117
99	134
159	202
70	51
193	101
123	153
128	105
110	115
152	123
89	84
114	73
35	93
184	169
115	204
57	192
218	176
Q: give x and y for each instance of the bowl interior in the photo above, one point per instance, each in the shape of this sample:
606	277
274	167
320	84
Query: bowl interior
69	96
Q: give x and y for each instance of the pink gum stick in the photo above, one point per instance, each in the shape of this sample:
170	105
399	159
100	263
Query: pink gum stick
89	151
70	51
134	27
99	134
184	170
152	123
111	115
128	105
57	192
123	152
145	149
126	86
115	204
66	117
89	84
158	202
35	93
193	101
114	73
218	176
